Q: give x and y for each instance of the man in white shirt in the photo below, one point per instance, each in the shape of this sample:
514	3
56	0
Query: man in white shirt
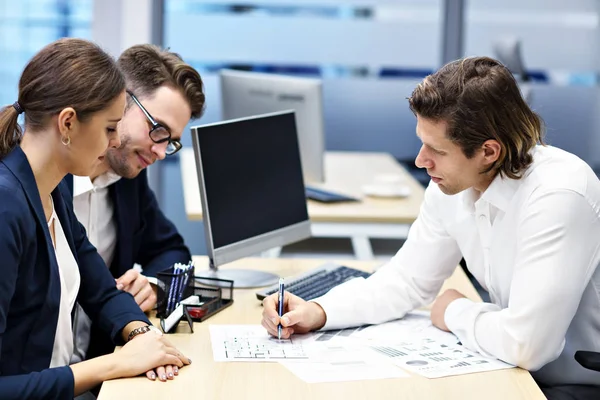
525	217
116	205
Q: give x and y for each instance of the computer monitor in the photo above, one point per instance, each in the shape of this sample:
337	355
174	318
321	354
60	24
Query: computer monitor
244	94
508	52
252	191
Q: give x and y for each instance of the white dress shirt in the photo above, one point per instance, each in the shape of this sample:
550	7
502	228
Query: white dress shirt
94	209
68	272
533	244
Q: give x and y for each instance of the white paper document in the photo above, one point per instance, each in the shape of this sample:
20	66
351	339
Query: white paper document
367	352
310	359
338	361
433	359
319	372
413	327
252	343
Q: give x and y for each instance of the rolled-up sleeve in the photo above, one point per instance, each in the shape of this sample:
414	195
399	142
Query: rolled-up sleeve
411	279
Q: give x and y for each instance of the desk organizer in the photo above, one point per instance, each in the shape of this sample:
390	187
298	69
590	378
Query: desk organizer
173	287
217	294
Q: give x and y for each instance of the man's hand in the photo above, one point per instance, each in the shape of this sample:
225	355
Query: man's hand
137	284
439	308
300	316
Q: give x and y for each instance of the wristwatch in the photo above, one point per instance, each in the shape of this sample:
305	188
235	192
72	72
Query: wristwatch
143	329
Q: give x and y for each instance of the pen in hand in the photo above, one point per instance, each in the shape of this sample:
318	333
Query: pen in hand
280	306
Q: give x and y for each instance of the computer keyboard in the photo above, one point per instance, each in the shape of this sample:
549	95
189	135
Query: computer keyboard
325	196
316	282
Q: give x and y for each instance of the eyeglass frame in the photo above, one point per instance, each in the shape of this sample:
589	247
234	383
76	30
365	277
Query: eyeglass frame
156	125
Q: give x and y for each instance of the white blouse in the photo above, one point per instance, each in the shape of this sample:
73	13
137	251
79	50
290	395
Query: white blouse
69	287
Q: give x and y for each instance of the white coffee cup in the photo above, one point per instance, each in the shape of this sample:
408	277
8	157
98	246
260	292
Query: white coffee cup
387	185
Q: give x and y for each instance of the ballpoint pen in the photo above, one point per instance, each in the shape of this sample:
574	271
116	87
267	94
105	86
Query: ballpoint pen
172	289
280	307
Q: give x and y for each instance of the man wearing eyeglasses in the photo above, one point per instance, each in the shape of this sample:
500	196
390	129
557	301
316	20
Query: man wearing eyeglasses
115	205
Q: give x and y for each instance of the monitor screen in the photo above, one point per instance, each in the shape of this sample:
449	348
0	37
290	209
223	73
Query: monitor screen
245	94
252	177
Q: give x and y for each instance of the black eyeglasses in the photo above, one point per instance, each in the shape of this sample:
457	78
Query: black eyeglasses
158	133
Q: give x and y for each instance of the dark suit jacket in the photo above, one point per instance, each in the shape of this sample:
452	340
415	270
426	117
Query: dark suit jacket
144	236
30	286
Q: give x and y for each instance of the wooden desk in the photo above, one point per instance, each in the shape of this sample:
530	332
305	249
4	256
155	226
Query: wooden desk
206	379
346	173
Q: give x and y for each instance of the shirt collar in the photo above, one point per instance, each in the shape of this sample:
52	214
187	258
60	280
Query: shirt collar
498	194
83	184
502	189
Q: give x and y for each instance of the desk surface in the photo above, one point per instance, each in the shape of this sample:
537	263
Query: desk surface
346	173
206	379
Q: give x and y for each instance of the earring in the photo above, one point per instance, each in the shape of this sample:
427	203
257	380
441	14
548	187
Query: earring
67	141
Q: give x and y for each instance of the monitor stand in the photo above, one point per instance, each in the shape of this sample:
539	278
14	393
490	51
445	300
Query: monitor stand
242	278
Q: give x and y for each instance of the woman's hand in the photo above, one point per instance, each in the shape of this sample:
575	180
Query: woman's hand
152	354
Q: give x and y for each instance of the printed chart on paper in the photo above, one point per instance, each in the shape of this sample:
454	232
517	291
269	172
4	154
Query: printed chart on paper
366	352
433	359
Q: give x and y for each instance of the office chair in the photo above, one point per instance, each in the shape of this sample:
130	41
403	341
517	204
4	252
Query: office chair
508	52
588	359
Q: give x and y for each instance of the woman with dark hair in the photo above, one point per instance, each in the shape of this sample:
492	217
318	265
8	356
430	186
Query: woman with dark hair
72	95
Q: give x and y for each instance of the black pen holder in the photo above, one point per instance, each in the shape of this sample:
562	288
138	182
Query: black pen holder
172	288
213	295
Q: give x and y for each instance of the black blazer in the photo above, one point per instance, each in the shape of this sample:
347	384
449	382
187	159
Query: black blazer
30	286
144	236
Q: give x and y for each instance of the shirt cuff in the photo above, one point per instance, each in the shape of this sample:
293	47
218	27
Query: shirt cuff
324	305
152	280
331	322
337	304
460	318
454	311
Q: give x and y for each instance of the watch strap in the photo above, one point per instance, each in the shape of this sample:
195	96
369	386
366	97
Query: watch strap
138	331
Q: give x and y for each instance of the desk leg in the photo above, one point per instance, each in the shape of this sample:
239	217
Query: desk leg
362	247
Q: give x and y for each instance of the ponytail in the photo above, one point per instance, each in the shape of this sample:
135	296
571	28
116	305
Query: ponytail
10	131
59	76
